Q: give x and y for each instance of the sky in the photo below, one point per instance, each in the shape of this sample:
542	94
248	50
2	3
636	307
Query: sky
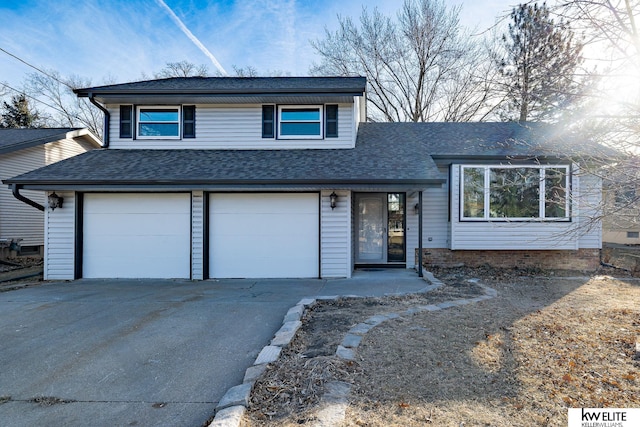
126	40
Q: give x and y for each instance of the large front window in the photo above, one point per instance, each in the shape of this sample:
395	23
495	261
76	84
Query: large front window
302	122
514	192
158	122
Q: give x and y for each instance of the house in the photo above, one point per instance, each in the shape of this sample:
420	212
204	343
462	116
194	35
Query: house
282	177
23	150
621	219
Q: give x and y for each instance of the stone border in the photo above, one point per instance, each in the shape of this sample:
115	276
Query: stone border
233	405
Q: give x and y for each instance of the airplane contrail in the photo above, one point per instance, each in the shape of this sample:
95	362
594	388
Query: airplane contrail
193	38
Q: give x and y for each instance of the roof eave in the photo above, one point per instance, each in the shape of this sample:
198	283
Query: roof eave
186	185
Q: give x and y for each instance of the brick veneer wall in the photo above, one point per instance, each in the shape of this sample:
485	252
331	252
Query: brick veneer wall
581	259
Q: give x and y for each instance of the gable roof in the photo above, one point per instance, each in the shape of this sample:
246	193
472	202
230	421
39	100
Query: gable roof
19	139
228	89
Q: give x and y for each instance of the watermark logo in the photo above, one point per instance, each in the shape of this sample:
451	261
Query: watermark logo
604	417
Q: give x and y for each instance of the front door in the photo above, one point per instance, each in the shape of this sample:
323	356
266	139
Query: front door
380	223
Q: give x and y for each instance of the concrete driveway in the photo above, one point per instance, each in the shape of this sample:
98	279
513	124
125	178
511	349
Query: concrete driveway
145	352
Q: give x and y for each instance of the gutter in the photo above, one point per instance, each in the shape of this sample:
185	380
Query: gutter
15	189
107	119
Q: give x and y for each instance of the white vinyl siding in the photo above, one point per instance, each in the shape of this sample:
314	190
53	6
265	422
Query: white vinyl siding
504	235
590	211
269	235
236	127
197	235
136	235
435	217
59	242
17	219
335	239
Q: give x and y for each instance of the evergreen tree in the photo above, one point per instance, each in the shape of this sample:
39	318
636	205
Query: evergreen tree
17	114
538	65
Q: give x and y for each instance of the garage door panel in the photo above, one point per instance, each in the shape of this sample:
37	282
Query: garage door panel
137	235
264	235
139	226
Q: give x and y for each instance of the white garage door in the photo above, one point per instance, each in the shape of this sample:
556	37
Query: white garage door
136	236
264	235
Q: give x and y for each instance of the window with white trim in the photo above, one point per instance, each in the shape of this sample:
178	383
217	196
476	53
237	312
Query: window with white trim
158	122
300	121
520	193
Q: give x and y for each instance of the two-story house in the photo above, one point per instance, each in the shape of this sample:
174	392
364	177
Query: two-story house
282	177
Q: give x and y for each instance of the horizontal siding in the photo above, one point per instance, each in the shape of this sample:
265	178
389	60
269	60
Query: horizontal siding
60	240
335	235
590	214
534	235
235	127
65	148
436	215
197	235
17	219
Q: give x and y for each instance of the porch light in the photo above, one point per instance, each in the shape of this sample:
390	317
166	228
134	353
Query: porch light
333	197
416	208
55	201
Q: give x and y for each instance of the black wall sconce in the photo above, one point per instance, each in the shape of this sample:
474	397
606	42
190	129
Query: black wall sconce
416	208
333	198
55	201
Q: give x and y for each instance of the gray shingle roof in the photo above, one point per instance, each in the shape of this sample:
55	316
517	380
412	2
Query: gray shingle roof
234	85
385	153
488	139
18	139
372	161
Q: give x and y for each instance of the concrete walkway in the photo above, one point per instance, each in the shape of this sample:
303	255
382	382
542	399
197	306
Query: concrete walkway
146	352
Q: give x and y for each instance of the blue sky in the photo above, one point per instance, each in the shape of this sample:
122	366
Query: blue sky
122	39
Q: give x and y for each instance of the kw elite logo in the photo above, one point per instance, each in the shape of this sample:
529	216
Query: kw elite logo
604	417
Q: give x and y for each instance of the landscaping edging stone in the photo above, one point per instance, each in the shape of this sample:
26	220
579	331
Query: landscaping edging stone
233	405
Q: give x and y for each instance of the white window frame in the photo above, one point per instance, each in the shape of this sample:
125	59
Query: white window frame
178	108
320	109
542	191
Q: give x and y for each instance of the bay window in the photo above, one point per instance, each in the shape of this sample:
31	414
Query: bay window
494	193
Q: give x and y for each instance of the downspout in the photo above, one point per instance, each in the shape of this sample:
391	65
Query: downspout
15	189
420	235
107	119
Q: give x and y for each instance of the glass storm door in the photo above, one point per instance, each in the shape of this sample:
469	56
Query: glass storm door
380	221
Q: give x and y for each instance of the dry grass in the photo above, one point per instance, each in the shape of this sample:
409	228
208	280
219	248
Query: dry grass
521	359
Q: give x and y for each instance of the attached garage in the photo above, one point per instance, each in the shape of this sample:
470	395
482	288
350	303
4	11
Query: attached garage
256	235
136	235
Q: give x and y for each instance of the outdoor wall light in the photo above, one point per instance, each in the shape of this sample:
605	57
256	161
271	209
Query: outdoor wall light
416	208
55	201
333	197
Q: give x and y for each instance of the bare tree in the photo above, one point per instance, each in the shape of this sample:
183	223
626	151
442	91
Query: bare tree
182	69
65	108
420	66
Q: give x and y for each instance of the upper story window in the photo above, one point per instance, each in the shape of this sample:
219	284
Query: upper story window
158	122
514	193
300	122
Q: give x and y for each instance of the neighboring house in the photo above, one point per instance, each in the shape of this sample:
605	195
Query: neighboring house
281	177
621	195
23	150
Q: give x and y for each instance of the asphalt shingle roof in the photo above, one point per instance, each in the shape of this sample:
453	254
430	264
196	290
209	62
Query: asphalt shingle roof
235	85
18	139
487	139
385	153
